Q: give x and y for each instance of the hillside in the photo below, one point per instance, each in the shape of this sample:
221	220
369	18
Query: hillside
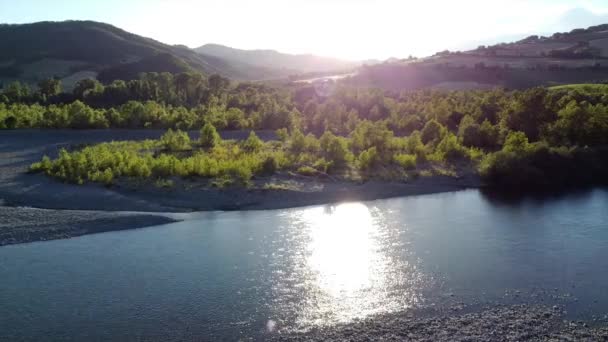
577	56
31	52
288	64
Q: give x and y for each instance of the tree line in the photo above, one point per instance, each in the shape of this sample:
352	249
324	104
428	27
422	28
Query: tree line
540	133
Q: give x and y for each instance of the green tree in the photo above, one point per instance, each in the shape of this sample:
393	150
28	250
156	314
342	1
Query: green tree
253	143
209	137
175	140
84	88
49	87
432	131
516	142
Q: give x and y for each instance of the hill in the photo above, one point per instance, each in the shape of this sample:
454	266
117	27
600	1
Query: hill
287	64
30	52
578	56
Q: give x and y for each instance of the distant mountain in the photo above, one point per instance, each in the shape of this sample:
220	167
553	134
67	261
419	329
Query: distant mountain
270	59
577	56
30	52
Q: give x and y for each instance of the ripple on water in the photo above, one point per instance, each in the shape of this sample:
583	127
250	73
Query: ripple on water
345	263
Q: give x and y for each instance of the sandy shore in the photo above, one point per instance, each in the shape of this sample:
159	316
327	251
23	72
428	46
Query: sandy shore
75	207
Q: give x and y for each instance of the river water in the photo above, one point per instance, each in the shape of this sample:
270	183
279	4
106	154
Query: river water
226	276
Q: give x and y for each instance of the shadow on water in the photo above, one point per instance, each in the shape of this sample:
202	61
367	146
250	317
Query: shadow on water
520	197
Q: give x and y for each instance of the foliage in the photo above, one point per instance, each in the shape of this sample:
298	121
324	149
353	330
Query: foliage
307	171
253	143
351	130
368	159
406	161
432	132
209	136
175	140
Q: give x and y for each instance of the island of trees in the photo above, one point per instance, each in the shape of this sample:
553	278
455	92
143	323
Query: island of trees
538	137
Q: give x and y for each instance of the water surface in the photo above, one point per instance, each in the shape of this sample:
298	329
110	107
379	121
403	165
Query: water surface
224	276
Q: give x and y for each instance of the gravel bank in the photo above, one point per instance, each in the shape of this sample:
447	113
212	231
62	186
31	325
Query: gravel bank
497	323
21	225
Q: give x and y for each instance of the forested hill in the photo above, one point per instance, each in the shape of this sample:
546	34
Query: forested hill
74	50
273	59
578	56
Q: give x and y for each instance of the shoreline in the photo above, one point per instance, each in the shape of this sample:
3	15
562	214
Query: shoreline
40	216
519	322
67	210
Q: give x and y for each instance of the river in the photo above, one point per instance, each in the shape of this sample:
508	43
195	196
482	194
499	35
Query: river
225	276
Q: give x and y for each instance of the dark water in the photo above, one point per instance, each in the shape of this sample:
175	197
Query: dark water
225	276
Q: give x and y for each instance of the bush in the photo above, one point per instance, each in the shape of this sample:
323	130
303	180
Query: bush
432	131
209	137
270	165
368	158
516	142
282	134
10	122
322	165
451	149
307	171
175	140
253	143
337	152
406	161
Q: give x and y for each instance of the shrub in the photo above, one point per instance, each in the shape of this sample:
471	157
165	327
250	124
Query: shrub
406	161
175	140
282	134
516	142
270	165
432	131
44	165
253	143
307	171
451	149
297	142
209	137
10	122
322	165
368	158
337	152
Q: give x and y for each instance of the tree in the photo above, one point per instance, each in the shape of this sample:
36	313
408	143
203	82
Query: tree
87	86
218	84
175	140
253	143
209	137
432	131
469	132
16	92
516	142
49	87
10	122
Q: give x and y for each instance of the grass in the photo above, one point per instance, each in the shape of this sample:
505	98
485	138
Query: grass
585	87
281	186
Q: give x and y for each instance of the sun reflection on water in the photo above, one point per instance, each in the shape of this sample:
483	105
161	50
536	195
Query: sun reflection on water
346	263
341	248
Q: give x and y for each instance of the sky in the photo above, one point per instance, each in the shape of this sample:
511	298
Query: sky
347	29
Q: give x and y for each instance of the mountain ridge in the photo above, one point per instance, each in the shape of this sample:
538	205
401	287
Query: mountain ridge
30	52
269	58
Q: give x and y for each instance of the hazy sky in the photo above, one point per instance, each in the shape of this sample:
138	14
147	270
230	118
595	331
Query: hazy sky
352	29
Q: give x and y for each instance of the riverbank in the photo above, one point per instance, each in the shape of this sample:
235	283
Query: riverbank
78	210
22	225
496	323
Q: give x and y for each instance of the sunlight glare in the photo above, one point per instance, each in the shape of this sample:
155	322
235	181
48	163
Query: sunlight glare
341	248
